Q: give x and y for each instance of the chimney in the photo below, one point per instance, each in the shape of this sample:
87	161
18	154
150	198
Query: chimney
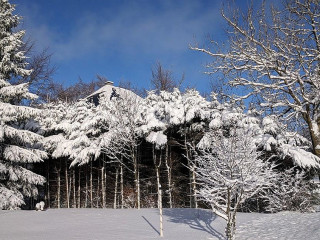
109	83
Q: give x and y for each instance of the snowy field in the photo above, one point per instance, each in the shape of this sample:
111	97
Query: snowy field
131	224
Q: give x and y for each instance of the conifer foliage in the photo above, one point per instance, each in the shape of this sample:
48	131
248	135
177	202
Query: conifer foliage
19	144
124	150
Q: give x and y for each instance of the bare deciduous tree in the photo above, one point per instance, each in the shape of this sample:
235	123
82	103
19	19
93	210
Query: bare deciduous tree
40	78
80	89
229	172
162	79
276	56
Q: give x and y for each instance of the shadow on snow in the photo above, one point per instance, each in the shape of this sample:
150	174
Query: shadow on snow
198	219
150	224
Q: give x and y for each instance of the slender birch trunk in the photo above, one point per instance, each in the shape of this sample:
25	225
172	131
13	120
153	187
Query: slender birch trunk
121	185
98	191
74	188
169	175
59	185
161	214
79	188
103	181
190	175
115	190
230	229
67	184
159	190
91	186
70	187
158	186
194	187
86	199
157	166
137	177
138	189
48	184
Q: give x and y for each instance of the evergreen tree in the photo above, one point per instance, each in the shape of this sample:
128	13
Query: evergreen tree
19	145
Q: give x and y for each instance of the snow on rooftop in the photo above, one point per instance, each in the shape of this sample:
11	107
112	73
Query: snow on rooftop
110	90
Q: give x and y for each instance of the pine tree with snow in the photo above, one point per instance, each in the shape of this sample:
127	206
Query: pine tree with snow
292	191
19	147
124	135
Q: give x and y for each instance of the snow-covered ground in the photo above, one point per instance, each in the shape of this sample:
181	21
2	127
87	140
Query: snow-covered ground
132	224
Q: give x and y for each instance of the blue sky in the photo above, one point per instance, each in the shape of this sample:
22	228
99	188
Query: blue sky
122	40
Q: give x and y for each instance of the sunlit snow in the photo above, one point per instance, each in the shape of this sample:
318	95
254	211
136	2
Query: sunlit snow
143	224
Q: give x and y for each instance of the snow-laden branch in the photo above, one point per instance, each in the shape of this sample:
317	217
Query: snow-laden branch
276	55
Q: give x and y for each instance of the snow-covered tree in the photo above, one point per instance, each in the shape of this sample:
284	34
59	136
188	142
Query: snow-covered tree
275	54
276	139
111	133
292	191
155	123
19	145
271	136
123	138
230	171
186	113
71	135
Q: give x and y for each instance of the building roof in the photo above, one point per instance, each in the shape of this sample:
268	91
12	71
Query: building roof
111	91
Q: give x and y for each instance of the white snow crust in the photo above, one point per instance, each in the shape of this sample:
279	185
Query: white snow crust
143	224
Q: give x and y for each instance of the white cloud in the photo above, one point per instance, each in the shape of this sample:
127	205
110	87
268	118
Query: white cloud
166	27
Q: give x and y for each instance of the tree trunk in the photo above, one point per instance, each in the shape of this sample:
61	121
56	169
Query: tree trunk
192	175
138	190
169	175
121	185
157	169
194	187
86	199
79	188
137	178
160	210
91	186
189	167
48	185
67	184
230	229
158	186
59	185
70	187
74	188
115	190
103	181
98	191
314	128
317	141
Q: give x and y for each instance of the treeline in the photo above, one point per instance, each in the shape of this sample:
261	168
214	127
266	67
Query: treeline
129	151
122	152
